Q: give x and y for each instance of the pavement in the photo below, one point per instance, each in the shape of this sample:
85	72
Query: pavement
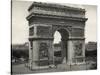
22	69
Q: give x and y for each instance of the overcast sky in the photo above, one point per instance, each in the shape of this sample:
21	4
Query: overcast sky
20	24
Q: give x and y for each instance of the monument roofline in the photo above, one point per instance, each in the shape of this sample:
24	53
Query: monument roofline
50	5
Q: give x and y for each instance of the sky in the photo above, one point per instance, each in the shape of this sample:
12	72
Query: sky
20	24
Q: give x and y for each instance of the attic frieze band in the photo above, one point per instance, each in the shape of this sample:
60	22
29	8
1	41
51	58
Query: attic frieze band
55	16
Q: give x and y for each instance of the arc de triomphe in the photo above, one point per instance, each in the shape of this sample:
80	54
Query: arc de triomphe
44	19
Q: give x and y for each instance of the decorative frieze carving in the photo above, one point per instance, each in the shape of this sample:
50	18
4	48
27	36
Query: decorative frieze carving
31	31
77	32
43	30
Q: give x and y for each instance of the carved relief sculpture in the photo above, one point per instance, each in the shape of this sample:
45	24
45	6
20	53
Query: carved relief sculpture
78	49
43	51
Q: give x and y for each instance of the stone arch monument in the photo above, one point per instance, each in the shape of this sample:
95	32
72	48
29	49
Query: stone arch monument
44	19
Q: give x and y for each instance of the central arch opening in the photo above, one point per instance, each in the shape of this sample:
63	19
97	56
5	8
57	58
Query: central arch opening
60	46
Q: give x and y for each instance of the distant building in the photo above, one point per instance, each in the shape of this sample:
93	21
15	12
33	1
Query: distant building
57	47
91	49
20	46
57	50
91	46
19	52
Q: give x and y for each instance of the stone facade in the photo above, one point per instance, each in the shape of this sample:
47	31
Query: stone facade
44	19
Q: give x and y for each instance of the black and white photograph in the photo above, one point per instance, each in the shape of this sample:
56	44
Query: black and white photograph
52	37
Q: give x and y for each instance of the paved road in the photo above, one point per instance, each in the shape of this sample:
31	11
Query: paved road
21	69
